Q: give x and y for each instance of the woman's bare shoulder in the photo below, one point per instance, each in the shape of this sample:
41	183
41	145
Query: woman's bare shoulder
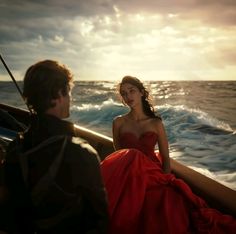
117	124
157	123
119	118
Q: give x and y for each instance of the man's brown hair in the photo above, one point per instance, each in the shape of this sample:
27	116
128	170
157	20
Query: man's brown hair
42	83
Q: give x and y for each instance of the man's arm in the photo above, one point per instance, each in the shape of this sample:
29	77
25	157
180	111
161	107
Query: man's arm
92	186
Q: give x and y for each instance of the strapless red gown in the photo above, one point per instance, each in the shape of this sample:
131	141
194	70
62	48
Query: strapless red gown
144	200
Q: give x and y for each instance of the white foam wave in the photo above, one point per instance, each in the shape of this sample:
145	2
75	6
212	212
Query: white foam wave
87	107
201	116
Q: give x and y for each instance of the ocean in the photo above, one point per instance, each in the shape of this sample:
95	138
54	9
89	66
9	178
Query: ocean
199	117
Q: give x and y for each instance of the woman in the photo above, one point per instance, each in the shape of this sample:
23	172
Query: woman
144	197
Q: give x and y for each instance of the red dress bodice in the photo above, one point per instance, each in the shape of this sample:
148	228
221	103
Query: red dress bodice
144	143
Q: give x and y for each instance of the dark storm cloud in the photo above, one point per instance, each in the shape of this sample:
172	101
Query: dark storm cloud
25	20
218	12
77	30
51	8
21	20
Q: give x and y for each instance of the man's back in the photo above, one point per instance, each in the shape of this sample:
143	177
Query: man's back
63	176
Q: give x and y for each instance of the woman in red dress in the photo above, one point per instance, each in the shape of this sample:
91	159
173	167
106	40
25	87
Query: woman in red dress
144	197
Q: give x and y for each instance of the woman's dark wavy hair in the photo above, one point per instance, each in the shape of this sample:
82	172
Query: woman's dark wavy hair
147	106
42	83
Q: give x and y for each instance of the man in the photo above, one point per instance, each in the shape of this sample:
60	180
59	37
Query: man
60	170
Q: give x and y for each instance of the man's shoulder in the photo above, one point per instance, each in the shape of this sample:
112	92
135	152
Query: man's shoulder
79	147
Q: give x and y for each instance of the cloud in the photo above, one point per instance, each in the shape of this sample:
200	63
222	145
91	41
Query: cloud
104	38
209	11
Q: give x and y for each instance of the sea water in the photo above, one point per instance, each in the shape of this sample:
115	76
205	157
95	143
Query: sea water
199	117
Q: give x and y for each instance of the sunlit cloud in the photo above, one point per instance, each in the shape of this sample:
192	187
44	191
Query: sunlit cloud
99	39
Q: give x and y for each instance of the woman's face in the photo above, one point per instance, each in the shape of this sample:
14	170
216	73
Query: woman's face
130	94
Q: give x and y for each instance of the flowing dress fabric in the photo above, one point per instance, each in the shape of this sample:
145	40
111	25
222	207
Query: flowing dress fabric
142	199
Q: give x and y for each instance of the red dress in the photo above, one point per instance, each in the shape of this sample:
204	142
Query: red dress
143	200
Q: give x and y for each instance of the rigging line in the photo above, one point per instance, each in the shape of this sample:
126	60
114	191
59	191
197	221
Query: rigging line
13	79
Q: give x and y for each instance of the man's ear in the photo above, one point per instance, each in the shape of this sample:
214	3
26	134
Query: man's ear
142	91
54	101
58	99
60	96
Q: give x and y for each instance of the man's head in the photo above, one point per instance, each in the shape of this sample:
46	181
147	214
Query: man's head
47	86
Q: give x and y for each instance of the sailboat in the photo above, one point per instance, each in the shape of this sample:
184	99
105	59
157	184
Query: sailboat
218	196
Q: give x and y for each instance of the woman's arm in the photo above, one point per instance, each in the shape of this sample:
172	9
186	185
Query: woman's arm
163	147
115	131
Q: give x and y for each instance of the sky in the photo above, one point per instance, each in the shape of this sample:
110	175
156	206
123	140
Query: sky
108	39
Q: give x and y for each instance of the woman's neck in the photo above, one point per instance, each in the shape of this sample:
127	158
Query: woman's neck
137	115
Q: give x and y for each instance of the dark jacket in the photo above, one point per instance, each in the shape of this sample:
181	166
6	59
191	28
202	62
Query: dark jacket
75	200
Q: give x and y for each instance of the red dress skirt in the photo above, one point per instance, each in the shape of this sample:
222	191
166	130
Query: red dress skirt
142	199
